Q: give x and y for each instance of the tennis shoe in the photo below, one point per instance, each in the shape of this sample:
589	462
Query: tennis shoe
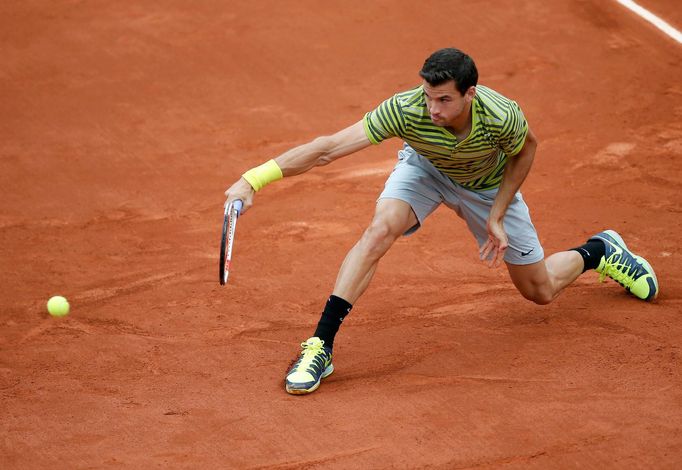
314	364
625	267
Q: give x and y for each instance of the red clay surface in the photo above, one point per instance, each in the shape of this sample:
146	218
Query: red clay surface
121	126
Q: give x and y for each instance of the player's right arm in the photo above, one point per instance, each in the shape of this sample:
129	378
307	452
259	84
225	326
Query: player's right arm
318	152
323	150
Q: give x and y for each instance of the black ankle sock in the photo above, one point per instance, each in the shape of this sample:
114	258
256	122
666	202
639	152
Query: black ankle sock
592	252
334	313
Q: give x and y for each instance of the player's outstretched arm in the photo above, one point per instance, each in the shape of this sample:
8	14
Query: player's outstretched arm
318	152
323	150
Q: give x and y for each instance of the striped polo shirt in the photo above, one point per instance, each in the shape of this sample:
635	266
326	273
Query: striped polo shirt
498	131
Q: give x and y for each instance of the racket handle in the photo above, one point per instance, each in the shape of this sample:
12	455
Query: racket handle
237	204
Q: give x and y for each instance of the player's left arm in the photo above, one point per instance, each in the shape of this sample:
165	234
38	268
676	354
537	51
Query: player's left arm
515	173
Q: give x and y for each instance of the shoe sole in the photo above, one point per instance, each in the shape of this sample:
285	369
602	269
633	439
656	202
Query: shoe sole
619	239
304	391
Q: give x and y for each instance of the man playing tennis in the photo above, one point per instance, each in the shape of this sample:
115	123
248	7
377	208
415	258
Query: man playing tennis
465	146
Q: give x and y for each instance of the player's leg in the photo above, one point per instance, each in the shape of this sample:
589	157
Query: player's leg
409	196
541	282
392	219
606	252
536	278
405	202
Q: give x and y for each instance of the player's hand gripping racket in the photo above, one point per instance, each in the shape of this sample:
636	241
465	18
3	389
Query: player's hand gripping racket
232	211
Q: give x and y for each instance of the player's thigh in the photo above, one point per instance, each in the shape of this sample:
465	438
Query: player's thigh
413	184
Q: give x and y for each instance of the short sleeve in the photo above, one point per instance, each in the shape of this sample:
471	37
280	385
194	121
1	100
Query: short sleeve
514	131
385	121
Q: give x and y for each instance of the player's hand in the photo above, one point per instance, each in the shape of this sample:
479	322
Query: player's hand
240	190
493	249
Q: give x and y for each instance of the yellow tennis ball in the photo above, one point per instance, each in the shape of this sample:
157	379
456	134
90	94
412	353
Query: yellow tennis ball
58	306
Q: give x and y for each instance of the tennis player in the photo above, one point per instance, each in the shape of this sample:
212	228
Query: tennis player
467	147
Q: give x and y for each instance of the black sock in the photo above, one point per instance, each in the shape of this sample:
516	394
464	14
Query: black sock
334	313
592	253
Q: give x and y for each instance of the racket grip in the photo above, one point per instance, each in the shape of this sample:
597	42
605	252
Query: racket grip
237	204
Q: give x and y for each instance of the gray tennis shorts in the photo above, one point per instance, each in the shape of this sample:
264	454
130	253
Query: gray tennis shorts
416	181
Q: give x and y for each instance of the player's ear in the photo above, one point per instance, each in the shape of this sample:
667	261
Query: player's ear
470	93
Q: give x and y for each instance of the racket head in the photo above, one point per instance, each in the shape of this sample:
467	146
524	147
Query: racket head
232	211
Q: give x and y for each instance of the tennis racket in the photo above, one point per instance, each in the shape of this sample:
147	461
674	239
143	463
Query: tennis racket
232	211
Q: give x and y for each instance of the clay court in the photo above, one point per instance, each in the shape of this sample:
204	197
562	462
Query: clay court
123	123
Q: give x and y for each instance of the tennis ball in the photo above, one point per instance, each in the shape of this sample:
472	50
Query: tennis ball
58	306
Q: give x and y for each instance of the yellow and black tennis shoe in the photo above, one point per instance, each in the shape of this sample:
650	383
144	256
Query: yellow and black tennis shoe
314	365
625	267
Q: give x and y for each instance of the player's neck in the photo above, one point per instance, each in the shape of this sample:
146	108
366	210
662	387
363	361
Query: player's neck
461	127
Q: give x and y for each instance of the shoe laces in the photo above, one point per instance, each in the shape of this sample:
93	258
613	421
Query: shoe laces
309	353
621	268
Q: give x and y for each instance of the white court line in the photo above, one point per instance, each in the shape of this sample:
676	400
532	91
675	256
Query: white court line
653	19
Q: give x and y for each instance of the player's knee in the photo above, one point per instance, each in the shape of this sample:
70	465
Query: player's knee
538	293
533	283
539	296
543	299
378	238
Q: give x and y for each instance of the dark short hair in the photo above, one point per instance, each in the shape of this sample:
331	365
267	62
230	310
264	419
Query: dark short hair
450	64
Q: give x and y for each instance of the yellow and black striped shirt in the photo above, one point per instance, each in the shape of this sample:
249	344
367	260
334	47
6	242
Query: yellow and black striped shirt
498	131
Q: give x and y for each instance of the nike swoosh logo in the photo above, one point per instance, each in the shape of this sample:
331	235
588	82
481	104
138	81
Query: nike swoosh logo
527	252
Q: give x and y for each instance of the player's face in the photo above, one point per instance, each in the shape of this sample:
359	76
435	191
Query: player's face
446	104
